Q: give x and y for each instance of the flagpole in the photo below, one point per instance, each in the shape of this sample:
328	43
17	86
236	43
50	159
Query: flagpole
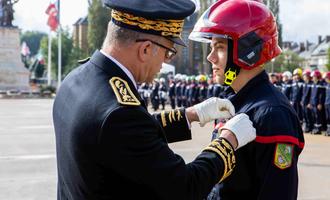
59	48
49	58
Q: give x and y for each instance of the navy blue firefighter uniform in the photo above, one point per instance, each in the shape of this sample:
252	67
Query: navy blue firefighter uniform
267	168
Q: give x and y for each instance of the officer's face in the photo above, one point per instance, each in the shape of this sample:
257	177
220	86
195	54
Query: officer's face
158	57
218	58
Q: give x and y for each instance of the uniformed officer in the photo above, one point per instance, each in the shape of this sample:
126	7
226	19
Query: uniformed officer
183	86
287	84
154	95
210	87
178	94
308	122
317	101
108	145
171	93
243	36
162	92
296	92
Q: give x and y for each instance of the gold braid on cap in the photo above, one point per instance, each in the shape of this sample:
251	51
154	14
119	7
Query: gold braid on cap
166	28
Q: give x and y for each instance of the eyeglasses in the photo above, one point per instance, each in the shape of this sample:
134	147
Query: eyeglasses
169	53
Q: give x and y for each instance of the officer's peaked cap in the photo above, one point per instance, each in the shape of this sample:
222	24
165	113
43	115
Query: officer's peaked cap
159	17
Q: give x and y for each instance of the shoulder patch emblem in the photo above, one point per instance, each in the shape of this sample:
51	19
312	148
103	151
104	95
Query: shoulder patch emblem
123	92
283	155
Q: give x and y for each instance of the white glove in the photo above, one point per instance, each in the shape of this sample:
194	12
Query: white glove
214	108
242	128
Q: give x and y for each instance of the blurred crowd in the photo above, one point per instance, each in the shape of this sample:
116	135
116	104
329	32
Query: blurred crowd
308	92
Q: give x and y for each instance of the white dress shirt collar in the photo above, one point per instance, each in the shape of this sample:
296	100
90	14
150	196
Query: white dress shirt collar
127	72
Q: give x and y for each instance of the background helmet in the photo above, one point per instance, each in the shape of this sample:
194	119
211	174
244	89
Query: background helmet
327	75
307	72
287	74
298	72
316	73
249	24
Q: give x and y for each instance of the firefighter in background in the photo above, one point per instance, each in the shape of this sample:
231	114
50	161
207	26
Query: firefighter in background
210	86
273	78
286	83
308	122
171	93
296	92
192	93
187	90
162	92
154	96
183	90
327	102
317	101
178	90
202	88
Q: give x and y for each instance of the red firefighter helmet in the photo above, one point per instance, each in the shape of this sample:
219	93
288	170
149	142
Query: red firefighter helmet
316	73
251	26
307	72
326	75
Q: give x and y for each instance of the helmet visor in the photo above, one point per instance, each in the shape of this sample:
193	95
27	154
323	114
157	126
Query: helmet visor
205	37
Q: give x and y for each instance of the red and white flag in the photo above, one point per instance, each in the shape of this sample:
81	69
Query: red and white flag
52	16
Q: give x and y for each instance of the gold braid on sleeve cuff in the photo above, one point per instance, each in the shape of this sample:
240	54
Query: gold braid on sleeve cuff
223	148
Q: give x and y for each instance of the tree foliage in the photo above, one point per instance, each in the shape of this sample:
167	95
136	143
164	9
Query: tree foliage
98	18
70	55
32	39
287	61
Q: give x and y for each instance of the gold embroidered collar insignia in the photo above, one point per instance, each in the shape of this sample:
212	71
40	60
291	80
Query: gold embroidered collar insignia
124	94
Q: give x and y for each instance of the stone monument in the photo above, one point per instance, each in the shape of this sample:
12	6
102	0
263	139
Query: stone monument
13	74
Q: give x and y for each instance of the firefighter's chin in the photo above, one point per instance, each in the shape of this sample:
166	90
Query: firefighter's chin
219	79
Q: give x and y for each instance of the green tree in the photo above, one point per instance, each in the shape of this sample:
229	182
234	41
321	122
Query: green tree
274	6
98	19
32	39
70	54
287	61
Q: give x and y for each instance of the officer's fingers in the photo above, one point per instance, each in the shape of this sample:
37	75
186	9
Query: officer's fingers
224	115
225	104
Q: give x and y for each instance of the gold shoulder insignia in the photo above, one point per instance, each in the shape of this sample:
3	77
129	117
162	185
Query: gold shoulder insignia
82	61
123	92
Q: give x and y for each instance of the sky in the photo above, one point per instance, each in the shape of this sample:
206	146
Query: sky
302	19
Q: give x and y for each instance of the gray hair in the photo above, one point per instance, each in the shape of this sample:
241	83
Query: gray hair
117	35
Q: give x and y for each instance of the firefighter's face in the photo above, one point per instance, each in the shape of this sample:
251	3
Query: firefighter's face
218	58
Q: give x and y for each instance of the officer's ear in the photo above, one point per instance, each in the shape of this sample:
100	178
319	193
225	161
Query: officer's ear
144	50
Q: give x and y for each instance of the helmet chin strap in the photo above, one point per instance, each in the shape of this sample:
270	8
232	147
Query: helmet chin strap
231	70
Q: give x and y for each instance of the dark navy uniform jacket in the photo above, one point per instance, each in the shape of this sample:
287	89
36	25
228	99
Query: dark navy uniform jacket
110	147
296	91
257	175
286	88
327	94
306	93
317	94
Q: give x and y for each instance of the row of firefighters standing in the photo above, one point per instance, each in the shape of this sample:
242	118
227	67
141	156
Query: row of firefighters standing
308	92
182	91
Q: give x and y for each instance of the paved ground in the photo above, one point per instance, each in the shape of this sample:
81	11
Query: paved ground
27	154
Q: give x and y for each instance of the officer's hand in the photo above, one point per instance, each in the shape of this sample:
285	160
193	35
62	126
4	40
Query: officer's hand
214	108
242	128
